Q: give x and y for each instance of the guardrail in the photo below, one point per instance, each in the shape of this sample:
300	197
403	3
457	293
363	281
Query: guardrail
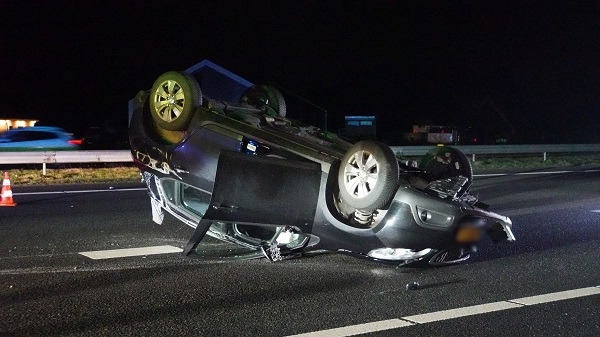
472	150
123	156
65	157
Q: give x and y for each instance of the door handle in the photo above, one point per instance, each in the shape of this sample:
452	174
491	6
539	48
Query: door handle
180	169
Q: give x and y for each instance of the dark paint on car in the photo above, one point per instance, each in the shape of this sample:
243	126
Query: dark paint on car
246	174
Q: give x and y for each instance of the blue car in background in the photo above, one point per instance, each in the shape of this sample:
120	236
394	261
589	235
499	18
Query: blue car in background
37	138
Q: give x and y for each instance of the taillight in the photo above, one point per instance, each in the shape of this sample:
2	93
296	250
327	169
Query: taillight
75	141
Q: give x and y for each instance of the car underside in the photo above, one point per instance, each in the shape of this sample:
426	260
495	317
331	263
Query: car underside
246	174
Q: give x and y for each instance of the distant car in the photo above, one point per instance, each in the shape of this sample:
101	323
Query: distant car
37	138
246	174
98	138
441	135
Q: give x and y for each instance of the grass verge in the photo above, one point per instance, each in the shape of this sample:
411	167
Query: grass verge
528	163
74	176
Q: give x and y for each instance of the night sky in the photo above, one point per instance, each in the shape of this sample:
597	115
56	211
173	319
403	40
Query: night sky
527	69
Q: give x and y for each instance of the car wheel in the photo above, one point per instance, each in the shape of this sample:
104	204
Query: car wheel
446	162
368	176
173	99
265	96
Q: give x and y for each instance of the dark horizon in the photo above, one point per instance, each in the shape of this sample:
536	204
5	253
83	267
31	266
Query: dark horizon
531	66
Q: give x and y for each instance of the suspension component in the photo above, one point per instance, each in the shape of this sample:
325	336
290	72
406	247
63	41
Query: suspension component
363	218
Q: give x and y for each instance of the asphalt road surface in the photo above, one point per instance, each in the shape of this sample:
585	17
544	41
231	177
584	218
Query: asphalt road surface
58	278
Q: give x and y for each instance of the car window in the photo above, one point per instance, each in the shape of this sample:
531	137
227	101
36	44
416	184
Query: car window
24	136
17	137
194	199
40	135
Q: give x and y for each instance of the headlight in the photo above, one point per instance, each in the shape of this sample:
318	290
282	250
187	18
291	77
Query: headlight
397	254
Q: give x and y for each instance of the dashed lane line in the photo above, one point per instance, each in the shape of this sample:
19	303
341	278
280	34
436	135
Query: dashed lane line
128	252
83	191
559	296
358	329
451	313
461	312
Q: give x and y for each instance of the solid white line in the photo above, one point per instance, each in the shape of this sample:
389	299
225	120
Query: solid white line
461	312
452	313
523	173
533	173
83	191
357	329
547	172
553	297
491	175
127	252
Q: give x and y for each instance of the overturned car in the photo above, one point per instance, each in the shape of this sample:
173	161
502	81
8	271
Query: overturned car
244	173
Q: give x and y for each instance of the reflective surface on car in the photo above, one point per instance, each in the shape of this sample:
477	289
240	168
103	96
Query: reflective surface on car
37	138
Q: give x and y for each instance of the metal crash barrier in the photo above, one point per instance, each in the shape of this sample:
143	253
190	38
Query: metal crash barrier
521	149
65	157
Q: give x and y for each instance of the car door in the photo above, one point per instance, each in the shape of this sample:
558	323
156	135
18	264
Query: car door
195	159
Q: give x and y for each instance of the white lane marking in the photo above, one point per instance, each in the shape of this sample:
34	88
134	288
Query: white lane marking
533	173
451	313
358	329
461	312
559	296
595	211
546	172
127	252
83	191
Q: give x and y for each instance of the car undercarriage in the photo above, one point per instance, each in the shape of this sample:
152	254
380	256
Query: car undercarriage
246	174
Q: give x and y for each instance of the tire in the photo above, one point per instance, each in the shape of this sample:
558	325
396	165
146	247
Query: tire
265	96
443	162
173	99
368	176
